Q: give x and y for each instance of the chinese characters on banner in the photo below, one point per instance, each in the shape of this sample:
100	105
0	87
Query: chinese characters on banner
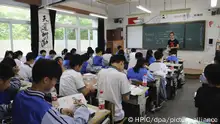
45	32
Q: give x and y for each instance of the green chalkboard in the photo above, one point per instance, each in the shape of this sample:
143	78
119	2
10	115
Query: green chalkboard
191	35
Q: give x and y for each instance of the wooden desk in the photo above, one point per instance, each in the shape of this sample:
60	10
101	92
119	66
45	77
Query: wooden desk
100	115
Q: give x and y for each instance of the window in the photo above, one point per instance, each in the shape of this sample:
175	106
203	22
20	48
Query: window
59	40
65	19
4	39
71	38
85	22
21	38
93	38
84	39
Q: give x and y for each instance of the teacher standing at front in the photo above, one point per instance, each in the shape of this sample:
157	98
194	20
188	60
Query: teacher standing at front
173	43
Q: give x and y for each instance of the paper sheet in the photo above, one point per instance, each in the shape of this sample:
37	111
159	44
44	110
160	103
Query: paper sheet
68	101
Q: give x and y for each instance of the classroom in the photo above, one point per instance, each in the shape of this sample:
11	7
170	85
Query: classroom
109	61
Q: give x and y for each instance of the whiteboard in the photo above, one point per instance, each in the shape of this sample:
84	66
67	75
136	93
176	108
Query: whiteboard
135	36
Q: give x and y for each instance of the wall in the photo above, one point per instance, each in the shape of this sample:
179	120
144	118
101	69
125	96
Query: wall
193	59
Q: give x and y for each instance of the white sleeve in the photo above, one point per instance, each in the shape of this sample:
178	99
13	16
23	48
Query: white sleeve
79	82
125	85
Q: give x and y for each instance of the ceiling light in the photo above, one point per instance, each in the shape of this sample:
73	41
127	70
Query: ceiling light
60	10
213	3
143	9
99	16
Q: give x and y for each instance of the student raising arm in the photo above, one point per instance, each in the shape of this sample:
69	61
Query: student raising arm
30	107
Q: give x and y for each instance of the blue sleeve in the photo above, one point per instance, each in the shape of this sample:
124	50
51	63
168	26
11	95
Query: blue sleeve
129	73
150	77
81	116
152	60
203	78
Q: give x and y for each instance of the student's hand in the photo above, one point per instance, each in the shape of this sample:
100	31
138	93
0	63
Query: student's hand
67	111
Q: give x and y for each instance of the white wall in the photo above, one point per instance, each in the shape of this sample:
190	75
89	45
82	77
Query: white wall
193	59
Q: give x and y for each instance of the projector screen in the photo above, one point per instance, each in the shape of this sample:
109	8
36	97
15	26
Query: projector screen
135	36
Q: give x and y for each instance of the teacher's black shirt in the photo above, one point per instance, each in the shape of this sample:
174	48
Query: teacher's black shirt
173	43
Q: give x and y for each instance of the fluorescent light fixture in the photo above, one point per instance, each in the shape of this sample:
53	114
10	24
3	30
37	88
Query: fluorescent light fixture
175	11
214	3
100	16
143	9
60	10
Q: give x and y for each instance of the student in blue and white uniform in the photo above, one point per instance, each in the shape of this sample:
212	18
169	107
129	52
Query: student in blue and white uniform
139	70
66	61
30	107
42	55
172	57
85	58
149	57
17	57
51	55
98	59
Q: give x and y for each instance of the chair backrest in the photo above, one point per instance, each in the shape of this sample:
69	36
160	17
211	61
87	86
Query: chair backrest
111	107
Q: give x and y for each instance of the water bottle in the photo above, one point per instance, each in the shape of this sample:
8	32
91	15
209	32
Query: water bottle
144	83
101	100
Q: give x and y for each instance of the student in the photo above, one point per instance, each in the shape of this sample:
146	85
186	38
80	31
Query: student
9	54
121	52
119	48
42	55
8	89
133	62
26	69
51	55
85	58
149	57
17	57
66	61
12	64
172	57
30	107
71	81
98	59
115	85
73	51
107	56
207	99
158	67
90	51
64	52
132	54
59	60
139	70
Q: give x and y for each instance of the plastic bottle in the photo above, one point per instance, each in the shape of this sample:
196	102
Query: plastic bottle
101	100
144	83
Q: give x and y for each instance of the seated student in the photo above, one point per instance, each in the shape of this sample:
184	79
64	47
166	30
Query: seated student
59	60
73	51
66	61
30	107
107	56
71	81
11	63
64	52
9	54
42	55
132	54
207	99
85	58
158	67
133	62
115	85
17	57
139	70
8	89
149	57
119	48
26	69
98	59
51	55
172	56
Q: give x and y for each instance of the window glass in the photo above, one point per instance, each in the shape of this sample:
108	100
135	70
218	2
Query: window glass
71	38
84	39
59	40
93	38
85	22
4	39
65	19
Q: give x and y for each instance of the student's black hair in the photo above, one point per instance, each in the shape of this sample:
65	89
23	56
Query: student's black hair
46	68
133	50
85	57
17	54
64	51
121	52
9	61
68	56
140	63
160	50
117	59
149	55
212	72
30	56
173	52
90	51
52	52
98	50
73	51
138	55
89	48
119	47
76	60
108	51
6	72
158	55
43	51
7	53
217	59
58	58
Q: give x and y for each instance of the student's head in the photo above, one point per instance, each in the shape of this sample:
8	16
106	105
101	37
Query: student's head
43	53
64	51
11	62
217	59
149	53
45	74
108	51
173	52
76	62
160	50
140	64
67	56
133	50
9	54
30	57
73	51
52	53
172	35
212	72
85	57
98	51
119	47
118	62
18	54
59	60
138	55
90	51
6	72
158	56
121	52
